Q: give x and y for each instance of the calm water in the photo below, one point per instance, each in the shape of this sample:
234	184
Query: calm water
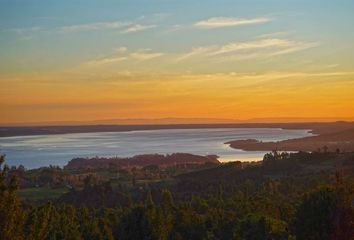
45	150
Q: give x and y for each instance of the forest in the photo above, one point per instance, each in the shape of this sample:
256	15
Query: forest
286	196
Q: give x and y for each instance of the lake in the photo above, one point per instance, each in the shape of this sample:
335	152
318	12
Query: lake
44	150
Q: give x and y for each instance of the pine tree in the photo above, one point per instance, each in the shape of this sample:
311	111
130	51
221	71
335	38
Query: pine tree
11	213
38	222
149	202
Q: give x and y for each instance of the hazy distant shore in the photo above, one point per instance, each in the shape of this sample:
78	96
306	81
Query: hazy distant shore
333	136
329	137
317	128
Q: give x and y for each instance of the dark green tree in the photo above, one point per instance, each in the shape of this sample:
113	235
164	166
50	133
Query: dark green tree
11	212
39	222
315	215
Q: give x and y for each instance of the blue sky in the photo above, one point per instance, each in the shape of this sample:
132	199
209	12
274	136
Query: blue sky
32	29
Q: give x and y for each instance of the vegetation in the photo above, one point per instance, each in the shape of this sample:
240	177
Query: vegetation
287	196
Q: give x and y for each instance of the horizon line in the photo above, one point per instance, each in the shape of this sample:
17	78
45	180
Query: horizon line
175	121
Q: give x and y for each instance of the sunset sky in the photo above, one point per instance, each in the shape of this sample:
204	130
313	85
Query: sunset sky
81	60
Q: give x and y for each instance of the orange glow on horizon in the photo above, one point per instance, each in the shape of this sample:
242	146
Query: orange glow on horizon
71	97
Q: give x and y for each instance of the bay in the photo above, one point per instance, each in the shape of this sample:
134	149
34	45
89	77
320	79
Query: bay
44	150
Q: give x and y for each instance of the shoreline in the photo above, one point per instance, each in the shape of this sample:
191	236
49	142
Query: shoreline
315	128
340	138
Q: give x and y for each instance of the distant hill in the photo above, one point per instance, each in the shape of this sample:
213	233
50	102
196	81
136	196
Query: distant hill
328	139
294	164
316	127
172	121
140	161
128	121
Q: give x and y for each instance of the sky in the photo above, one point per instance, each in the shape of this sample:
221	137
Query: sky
84	60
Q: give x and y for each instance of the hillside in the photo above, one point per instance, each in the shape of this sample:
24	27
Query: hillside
140	161
332	139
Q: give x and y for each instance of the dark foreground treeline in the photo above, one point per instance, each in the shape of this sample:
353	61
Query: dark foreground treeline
289	196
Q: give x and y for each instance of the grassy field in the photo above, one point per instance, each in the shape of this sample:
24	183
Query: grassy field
41	193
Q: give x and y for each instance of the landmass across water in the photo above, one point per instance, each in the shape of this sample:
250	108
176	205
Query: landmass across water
331	135
328	137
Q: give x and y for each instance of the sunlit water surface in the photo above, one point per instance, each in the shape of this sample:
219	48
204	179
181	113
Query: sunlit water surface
45	150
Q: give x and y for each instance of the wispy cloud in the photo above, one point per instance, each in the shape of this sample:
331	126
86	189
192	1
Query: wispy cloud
296	47
123	54
121	50
95	26
259	44
106	60
197	51
145	54
29	30
174	28
221	22
249	50
138	28
123	26
24	34
275	34
264	47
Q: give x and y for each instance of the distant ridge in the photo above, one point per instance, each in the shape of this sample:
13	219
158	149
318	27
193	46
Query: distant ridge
169	121
127	121
316	127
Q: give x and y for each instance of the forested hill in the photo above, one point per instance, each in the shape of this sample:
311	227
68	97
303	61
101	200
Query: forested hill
278	165
141	161
286	196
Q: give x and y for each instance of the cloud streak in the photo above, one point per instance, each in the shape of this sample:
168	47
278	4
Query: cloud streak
222	22
145	54
95	26
261	48
196	52
107	60
123	26
138	28
123	54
